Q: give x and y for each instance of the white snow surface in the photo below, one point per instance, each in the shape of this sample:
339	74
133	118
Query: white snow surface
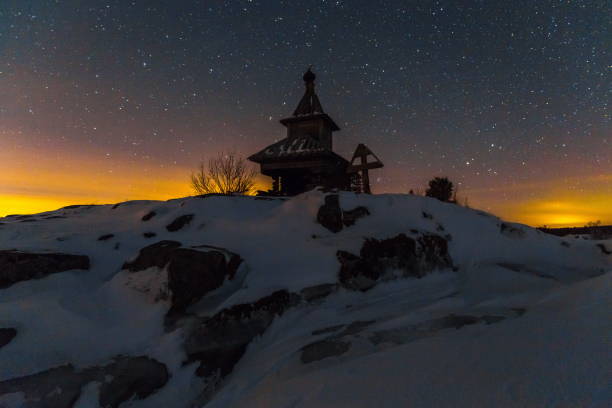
556	354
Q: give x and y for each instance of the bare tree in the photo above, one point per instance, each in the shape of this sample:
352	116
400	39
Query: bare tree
226	173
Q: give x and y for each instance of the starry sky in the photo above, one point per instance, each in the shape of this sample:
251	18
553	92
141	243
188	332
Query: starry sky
105	101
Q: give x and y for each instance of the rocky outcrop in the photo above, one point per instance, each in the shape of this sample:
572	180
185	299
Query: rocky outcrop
511	231
350	217
219	342
368	340
179	222
41	389
192	272
323	349
17	266
604	250
136	377
378	260
105	237
330	214
60	387
332	217
7	335
148	216
334	345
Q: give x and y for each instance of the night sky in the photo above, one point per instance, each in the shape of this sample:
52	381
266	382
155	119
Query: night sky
104	101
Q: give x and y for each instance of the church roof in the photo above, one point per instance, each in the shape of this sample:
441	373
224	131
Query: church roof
309	106
296	147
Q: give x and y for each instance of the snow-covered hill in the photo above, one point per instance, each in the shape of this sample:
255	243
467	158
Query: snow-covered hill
314	301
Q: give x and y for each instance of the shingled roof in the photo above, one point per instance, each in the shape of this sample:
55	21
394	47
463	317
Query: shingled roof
289	148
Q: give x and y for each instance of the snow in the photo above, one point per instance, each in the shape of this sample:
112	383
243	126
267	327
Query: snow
556	354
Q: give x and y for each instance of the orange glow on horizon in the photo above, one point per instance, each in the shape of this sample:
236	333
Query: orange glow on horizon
553	203
40	182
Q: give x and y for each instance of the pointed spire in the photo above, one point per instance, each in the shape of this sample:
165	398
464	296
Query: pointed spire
309	104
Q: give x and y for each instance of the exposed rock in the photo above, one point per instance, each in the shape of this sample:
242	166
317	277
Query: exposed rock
356	327
16	266
323	349
6	335
153	255
148	215
330	213
149	234
191	272
334	345
179	222
326	330
60	387
131	377
511	231
332	217
603	249
427	215
57	387
219	342
520	268
318	292
401	253
429	328
222	340
72	207
356	273
350	217
105	237
115	206
434	252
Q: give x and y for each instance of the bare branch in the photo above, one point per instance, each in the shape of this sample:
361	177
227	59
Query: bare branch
226	174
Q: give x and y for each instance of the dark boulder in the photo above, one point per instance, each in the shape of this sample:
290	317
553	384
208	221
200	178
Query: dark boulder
604	250
40	389
191	272
330	213
179	222
131	377
105	237
323	349
16	266
350	217
334	345
149	234
123	379
7	335
511	231
414	258
318	292
356	273
332	217
148	216
219	342
153	255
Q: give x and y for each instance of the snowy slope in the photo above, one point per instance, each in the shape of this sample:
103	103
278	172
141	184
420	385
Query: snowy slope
521	320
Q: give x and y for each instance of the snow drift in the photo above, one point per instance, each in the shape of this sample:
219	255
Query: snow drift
321	300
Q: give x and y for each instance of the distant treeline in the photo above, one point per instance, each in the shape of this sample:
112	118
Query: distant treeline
600	230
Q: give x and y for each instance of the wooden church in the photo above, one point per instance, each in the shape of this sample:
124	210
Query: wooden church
305	158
